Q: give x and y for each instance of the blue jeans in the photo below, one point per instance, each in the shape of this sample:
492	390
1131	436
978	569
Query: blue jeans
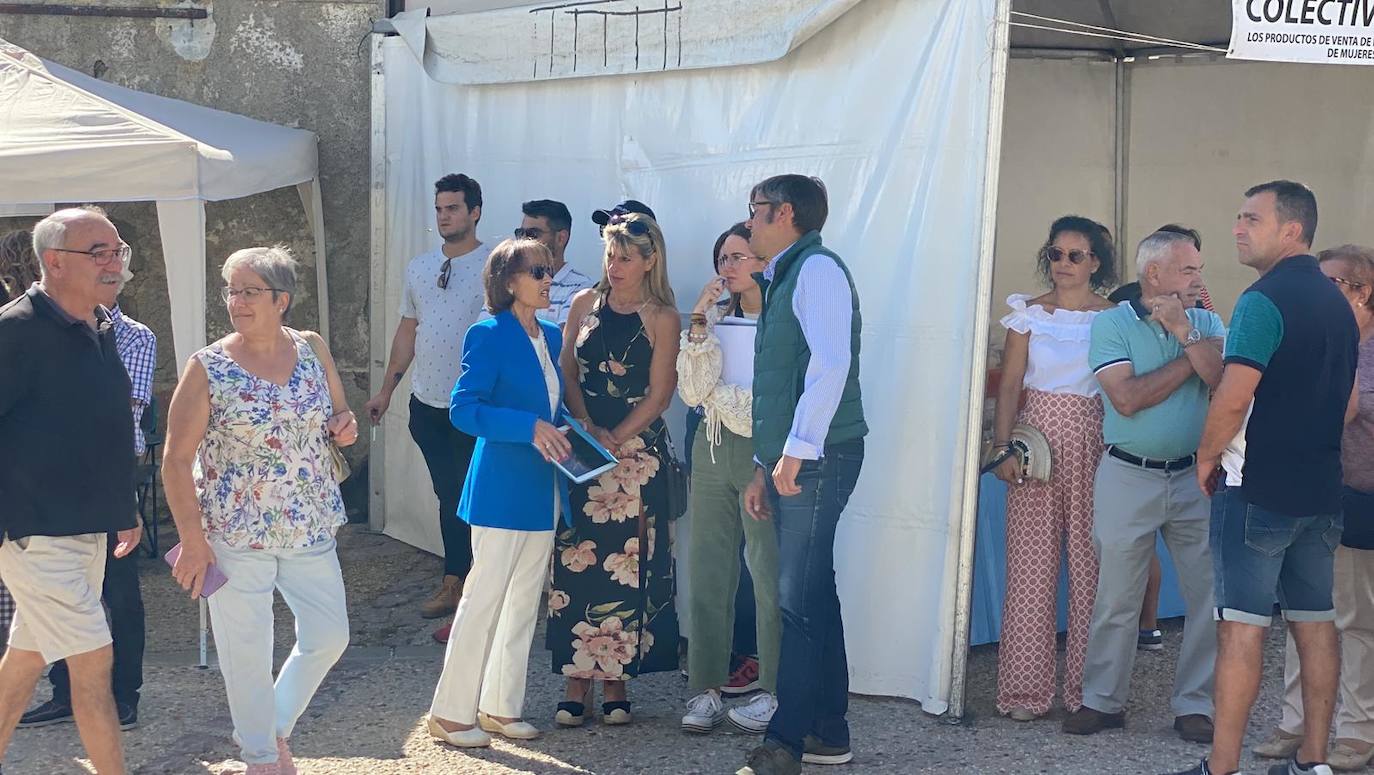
1257	552
813	672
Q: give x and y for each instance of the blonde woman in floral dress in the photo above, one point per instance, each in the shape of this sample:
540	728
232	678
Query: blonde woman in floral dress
251	484
611	609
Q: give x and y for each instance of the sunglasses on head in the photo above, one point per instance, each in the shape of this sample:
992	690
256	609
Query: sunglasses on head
635	228
1054	254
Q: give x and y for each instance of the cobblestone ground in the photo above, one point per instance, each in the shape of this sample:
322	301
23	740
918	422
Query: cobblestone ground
368	716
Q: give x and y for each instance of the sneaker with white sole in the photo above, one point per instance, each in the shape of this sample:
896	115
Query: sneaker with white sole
704	712
817	752
753	716
1291	767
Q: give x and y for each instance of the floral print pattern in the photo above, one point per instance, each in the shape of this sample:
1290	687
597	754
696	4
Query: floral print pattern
612	587
264	474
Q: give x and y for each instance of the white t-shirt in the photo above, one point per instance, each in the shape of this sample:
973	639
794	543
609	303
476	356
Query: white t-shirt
444	316
1233	457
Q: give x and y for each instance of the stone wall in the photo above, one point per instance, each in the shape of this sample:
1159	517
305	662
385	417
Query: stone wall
298	63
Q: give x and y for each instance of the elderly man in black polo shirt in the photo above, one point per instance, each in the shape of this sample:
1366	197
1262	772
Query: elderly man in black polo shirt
65	428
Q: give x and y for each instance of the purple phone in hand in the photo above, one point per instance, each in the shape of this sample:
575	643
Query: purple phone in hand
214	577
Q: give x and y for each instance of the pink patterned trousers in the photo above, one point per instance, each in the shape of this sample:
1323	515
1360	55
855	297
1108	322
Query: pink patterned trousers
1042	517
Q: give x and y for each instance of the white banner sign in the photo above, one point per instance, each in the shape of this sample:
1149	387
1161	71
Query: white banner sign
1317	31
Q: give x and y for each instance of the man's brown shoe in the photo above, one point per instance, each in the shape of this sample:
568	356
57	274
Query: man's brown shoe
445	601
1194	727
1086	721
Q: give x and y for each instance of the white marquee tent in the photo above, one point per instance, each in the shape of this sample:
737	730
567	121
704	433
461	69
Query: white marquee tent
68	137
678	105
898	105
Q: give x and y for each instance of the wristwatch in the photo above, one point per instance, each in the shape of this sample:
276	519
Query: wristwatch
1194	336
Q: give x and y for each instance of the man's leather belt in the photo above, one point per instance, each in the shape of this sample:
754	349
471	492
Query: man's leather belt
1177	464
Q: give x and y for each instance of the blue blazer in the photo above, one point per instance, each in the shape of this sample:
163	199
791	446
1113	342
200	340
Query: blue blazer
498	397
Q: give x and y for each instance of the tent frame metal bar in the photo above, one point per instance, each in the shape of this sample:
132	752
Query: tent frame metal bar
376	505
977	379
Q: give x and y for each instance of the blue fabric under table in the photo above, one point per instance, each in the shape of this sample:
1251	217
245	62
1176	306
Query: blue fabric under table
990	569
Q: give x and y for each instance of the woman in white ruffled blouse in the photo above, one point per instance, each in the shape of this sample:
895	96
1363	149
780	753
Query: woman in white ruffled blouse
1046	383
722	467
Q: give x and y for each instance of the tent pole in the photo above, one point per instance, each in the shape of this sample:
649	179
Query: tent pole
973	433
314	212
376	467
1122	142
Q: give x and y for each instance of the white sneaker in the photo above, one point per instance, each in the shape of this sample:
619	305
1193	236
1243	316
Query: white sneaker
753	717
704	712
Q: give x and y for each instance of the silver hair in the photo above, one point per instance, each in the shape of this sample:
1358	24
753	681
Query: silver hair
51	232
1157	247
275	265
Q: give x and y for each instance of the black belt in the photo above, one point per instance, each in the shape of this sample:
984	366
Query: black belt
1177	464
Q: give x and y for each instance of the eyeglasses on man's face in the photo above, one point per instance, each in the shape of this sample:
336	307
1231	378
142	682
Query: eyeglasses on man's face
754	207
249	293
534	233
104	256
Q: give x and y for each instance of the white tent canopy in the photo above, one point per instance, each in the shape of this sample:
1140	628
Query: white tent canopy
68	137
892	102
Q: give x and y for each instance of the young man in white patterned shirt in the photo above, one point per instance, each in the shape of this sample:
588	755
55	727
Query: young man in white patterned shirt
548	221
443	296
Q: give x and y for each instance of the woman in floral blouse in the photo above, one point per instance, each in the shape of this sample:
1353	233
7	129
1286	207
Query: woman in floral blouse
611	610
252	484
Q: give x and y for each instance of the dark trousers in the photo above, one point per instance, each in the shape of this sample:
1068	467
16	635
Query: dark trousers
813	671
745	638
447	452
125	603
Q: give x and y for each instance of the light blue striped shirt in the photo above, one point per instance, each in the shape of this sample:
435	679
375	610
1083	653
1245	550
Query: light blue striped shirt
823	306
566	283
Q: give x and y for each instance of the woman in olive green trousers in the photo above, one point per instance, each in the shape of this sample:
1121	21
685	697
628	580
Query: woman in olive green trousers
722	467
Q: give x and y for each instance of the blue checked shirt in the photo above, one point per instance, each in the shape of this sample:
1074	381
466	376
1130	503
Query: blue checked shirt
137	346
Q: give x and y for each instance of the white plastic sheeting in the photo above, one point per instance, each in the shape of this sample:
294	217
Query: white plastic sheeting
68	137
889	105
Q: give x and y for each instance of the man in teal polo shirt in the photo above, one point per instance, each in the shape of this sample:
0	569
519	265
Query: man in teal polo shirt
1156	359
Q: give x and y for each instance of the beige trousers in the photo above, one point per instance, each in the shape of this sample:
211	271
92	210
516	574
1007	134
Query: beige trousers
1353	594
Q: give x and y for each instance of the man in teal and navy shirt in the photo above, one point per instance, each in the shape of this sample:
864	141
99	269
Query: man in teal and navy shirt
1156	359
1292	351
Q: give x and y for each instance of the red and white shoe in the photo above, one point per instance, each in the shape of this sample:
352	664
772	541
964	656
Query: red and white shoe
744	679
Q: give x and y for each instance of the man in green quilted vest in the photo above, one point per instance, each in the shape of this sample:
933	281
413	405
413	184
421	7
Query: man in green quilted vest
809	446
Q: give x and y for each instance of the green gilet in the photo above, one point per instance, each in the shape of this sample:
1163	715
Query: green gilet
781	356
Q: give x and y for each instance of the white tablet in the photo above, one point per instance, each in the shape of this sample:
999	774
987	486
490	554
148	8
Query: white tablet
588	459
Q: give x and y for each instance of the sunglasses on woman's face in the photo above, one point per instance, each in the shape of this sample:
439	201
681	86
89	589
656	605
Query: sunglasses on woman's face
539	272
1054	254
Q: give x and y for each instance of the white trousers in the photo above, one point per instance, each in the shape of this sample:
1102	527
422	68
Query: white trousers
489	647
1353	594
311	583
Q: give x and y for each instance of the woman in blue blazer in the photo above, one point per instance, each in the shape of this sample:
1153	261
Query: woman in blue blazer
508	396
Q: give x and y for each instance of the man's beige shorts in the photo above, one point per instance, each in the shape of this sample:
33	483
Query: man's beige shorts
56	584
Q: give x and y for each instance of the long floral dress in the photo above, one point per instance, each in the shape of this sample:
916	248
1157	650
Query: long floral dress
611	611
